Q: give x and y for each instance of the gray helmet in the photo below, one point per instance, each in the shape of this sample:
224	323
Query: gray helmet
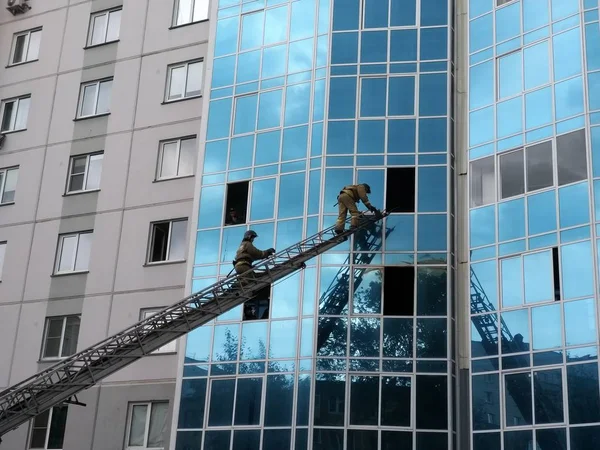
249	235
367	188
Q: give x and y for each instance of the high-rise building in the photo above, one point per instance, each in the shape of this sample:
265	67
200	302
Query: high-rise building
466	319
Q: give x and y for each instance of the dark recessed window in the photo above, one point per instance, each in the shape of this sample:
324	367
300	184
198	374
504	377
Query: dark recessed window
400	190
237	203
398	291
538	159
167	241
571	157
512	175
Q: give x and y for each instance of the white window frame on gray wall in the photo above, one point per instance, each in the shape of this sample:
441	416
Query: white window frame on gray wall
25	47
15	118
147	421
96	92
189	11
171	347
169	241
105	27
8	185
90	174
46	425
180	72
65	322
2	256
170	158
72	260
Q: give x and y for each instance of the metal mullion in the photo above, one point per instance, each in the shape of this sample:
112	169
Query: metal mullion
14	113
62	337
97	83
178	157
76	251
168	249
147	425
107	13
48	427
187	70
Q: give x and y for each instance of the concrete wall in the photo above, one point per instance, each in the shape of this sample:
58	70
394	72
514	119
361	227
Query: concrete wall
108	297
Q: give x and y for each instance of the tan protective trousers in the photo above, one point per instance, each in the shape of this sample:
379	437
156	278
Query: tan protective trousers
345	204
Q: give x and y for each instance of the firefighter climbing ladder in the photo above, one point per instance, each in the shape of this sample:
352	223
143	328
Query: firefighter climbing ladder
61	382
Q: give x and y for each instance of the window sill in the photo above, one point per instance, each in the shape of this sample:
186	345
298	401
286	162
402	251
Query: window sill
7	204
13	131
167	102
66	274
71	194
164	263
51	360
21	63
77	119
161	353
161	180
101	44
183	25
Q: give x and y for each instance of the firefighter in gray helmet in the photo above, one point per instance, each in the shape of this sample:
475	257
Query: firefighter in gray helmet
347	200
247	253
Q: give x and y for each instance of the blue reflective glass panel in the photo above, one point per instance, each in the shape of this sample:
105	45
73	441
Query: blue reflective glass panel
479	7
224	69
434	12
567	54
373	47
376	14
402	136
433	95
291	195
211	206
512	282
219	118
324	7
301	55
541	212
303	19
340	138
342	98
573	205
432	231
248	68
403	13
371	136
344	48
274	59
286	294
481	85
509	73
481	33
263	199
345	14
538	108
580	322
267	147
433	135
538	275
569	98
215	156
242	150
334	178
481	126
402	238
510	117
401	96
483	226
594	90
486	273
252	30
283	339
295	142
276	25
434	43
227	36
577	270
322	52
245	114
592	46
511	219
432	189
535	14
269	109
564	8
536	65
508	22
403	45
372	97
319	100
297	104
546	327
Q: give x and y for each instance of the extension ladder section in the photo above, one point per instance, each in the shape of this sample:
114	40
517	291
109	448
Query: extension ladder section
333	301
61	382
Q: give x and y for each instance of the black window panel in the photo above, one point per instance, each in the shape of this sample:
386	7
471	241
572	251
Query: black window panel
330	394
395	401
518	399
430	441
431	291
247	401
517	440
57	427
217	440
486	402
303	405
160	238
556	273
512	174
332	335
571	157
246	440
39	430
398	291
276	439
237	199
328	439
397	338
539	166
279	401
394	440
221	403
258	308
551	439
547	393
188	440
301	439
486	441
584	438
364	400
432	402
362	439
6	118
400	189
191	409
431	338
584	398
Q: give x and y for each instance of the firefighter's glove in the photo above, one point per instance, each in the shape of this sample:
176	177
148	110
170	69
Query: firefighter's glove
372	208
270	251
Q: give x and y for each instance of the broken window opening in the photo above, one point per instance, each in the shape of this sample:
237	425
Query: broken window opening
236	206
400	190
398	291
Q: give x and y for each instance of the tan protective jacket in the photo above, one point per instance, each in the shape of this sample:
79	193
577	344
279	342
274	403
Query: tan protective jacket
357	192
249	253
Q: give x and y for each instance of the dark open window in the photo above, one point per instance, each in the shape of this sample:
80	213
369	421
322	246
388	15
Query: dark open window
257	308
237	203
398	291
400	189
556	273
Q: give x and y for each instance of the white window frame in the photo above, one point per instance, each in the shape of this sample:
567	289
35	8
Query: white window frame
151	241
159	164
169	348
48	428
59	251
98	84
194	5
108	13
26	47
3	245
62	337
4	173
185	65
88	158
146	424
13	122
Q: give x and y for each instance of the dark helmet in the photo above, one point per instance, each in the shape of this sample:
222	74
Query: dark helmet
249	235
367	188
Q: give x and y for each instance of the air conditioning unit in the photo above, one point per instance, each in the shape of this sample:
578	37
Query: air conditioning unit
18	6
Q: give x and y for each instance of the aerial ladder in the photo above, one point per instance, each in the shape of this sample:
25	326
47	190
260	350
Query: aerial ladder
61	382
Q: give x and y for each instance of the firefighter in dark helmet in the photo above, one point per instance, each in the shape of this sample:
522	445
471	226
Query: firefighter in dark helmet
247	253
347	200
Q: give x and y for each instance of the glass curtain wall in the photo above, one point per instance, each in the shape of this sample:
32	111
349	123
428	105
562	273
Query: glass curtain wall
356	350
534	150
